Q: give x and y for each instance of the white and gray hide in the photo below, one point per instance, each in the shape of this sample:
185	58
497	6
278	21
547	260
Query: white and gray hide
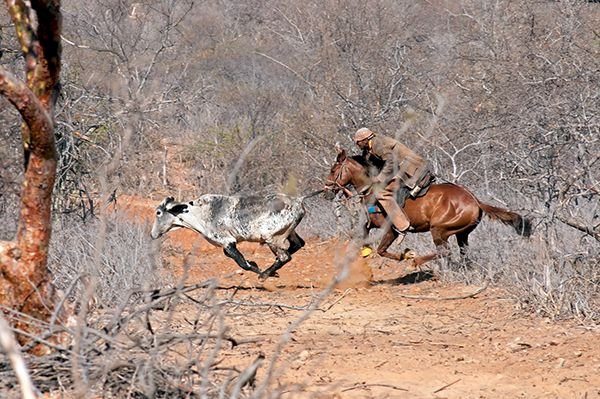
226	220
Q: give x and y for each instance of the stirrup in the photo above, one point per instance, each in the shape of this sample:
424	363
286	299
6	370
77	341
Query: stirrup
415	191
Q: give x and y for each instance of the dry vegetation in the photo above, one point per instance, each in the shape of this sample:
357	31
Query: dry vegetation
183	98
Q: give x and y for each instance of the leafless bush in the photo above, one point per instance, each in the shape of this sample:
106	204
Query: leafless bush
11	175
136	351
117	254
320	220
537	273
140	350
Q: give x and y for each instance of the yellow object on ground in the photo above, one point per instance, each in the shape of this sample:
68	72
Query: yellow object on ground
365	251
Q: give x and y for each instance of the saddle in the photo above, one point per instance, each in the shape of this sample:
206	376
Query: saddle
424	183
404	193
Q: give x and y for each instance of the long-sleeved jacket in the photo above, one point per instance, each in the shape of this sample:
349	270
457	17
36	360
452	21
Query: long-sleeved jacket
398	161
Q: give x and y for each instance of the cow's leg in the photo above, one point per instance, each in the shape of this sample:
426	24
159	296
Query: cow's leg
283	257
231	251
296	242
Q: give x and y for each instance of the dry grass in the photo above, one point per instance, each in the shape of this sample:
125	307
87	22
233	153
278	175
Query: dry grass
141	335
548	277
117	254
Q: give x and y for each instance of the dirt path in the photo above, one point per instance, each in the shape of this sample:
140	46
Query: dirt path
370	340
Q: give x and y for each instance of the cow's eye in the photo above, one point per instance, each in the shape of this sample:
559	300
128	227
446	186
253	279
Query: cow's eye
158	212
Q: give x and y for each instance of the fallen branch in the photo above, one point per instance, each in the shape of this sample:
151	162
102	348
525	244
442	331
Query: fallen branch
574	223
412	343
446	386
336	301
363	385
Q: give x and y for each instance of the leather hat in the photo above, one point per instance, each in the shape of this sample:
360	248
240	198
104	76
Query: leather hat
363	134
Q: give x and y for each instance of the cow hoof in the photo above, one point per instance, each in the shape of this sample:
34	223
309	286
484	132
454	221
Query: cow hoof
253	267
263	276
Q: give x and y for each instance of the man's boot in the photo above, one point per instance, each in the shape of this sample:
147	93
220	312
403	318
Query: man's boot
400	221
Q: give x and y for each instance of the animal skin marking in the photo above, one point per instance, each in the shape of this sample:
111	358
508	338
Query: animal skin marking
226	220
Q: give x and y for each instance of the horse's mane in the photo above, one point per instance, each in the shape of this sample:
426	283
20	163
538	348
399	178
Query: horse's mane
371	166
361	160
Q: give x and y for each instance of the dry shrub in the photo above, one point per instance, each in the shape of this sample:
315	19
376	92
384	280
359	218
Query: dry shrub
320	220
553	278
138	350
172	343
116	253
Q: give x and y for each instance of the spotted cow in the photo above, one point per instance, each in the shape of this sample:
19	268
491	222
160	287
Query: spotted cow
227	220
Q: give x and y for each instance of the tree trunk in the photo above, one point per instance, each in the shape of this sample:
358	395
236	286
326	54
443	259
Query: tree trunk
25	282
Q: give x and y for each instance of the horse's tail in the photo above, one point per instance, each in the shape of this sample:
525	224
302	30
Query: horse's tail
521	224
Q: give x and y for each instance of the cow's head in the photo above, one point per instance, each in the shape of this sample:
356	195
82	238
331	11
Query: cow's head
167	216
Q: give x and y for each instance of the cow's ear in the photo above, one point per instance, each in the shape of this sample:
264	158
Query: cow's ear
177	209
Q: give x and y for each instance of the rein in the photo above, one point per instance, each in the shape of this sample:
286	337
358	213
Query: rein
346	191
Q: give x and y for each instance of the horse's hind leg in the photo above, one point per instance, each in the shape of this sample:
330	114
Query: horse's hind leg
388	238
440	239
462	239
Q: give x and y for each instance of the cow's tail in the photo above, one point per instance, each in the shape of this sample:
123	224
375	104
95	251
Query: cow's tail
521	224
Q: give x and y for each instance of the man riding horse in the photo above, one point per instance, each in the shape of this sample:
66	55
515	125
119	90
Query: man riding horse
403	173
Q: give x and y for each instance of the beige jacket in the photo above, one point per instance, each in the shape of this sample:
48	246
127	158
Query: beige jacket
398	161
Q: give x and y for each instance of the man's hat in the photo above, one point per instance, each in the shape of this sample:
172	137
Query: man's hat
363	134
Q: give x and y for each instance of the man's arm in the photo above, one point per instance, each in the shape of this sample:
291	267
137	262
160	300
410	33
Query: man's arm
387	172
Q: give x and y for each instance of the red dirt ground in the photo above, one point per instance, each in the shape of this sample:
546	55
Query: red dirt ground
381	335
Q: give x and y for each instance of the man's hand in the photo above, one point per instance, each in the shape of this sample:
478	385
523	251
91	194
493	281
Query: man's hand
377	184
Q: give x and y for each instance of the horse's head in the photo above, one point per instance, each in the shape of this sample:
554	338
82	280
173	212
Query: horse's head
340	175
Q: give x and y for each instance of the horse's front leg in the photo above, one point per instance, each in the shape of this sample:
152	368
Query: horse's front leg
387	239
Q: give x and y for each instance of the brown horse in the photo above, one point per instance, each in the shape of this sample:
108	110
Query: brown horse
445	209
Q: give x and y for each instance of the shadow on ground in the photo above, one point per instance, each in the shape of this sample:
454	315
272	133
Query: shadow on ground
411	278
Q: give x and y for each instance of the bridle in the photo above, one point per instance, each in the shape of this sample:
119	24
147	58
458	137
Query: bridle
344	189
